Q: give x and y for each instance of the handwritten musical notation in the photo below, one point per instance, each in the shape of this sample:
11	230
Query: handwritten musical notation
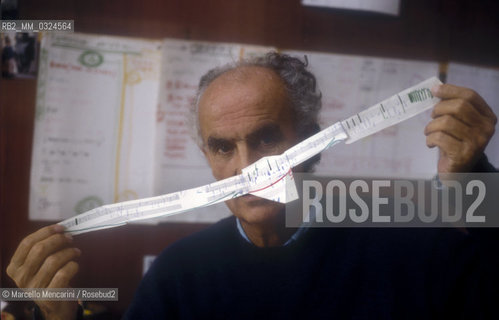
94	129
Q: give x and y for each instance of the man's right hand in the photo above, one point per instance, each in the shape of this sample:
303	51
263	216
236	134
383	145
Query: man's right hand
45	259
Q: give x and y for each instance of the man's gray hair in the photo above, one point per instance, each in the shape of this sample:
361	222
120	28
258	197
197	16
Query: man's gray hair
300	83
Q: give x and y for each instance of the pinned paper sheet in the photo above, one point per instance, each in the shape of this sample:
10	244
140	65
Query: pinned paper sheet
382	6
270	177
95	123
351	83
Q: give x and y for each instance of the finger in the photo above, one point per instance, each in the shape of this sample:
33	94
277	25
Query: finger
52	265
449	91
445	142
449	125
41	250
28	242
64	275
460	109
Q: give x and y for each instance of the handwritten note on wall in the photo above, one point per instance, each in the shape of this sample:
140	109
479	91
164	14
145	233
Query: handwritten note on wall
94	128
350	84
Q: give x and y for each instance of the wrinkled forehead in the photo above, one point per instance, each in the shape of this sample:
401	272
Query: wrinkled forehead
241	86
244	96
250	76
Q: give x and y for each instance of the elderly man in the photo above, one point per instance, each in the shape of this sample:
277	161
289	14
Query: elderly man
252	266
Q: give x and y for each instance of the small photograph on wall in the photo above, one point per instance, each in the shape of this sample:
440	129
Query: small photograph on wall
19	54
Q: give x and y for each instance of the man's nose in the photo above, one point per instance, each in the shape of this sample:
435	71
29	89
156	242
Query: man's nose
246	156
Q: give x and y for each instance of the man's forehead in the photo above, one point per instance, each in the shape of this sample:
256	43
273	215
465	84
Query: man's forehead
251	77
248	86
241	99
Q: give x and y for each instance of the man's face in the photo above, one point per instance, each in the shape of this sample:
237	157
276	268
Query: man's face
244	115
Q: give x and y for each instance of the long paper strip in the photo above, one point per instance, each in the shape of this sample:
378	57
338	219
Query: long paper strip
270	177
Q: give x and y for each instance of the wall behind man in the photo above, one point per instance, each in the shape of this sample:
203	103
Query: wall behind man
437	30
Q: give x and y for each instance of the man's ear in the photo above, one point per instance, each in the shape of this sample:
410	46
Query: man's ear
309	131
315	128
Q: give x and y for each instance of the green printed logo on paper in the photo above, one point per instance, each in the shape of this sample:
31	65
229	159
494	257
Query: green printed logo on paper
88	203
420	95
91	59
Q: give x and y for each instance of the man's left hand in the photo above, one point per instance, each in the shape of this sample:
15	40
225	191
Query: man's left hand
462	125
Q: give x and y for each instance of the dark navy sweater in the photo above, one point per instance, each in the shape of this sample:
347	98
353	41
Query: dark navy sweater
338	273
328	273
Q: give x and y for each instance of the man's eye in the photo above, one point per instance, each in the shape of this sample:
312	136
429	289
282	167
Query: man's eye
223	149
267	141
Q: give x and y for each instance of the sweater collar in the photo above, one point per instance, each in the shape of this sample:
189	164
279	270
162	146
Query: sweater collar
301	230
